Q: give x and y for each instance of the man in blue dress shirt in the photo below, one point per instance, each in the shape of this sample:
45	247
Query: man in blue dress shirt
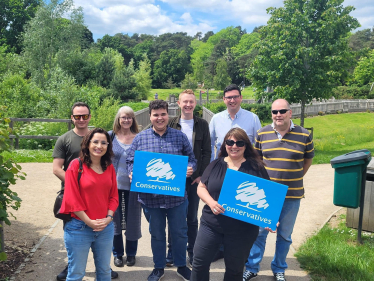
233	116
160	138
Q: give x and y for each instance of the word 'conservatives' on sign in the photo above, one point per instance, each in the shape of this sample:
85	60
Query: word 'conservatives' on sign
252	199
159	173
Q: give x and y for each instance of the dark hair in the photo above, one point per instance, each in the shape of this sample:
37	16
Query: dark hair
158	104
106	159
231	88
80	104
250	153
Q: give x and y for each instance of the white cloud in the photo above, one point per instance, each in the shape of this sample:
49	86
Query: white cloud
160	16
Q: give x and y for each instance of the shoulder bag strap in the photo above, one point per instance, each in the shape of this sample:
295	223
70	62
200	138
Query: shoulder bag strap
80	170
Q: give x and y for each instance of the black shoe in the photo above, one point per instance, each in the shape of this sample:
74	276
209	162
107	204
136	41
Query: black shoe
63	274
118	262
130	261
184	272
248	275
169	259
156	275
113	274
218	256
190	259
279	276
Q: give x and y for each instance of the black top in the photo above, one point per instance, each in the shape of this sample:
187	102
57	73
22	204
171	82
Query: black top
213	177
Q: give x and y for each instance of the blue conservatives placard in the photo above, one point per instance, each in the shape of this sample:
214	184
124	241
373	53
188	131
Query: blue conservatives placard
159	173
252	199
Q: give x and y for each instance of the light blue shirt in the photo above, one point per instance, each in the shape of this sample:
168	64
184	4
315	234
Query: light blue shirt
221	123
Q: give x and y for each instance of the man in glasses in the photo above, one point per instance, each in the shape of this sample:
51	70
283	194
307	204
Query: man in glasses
233	116
287	151
67	148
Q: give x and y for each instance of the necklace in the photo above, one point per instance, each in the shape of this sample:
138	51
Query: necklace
235	165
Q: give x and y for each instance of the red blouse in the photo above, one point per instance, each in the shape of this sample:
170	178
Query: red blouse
96	193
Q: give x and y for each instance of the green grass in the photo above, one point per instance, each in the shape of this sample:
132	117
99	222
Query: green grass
29	156
337	134
333	254
164	93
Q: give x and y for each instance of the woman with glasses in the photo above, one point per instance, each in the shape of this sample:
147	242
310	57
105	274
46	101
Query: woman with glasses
236	153
128	215
91	200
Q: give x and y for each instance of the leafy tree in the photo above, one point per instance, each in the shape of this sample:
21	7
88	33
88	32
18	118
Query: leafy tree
207	35
222	78
47	33
173	64
169	84
198	59
10	172
364	72
189	82
115	43
123	83
105	70
362	39
303	49
143	78
14	14
246	44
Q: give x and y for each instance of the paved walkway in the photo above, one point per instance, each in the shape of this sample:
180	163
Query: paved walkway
36	227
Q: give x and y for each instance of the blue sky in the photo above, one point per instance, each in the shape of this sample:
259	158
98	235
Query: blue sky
191	16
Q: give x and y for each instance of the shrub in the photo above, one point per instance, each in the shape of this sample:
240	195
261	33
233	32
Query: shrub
353	92
103	116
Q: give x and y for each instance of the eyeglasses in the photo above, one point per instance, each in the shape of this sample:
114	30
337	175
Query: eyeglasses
232	97
126	118
84	116
96	143
281	111
238	143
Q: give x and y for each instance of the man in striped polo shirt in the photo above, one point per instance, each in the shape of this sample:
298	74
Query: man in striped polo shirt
287	151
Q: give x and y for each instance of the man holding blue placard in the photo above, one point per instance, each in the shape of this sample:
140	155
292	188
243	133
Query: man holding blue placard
160	138
287	151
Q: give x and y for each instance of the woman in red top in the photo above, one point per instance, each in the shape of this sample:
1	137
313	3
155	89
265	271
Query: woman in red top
91	204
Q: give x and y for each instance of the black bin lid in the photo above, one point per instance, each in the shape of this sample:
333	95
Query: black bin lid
352	156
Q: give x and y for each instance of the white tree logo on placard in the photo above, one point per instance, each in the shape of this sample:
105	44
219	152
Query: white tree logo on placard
160	170
249	193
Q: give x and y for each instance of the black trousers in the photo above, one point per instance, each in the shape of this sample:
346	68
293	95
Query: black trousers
237	247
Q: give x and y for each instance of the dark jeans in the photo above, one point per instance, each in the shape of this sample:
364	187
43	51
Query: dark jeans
192	221
237	246
157	223
131	246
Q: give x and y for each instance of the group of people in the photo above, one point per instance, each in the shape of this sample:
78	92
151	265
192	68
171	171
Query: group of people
95	168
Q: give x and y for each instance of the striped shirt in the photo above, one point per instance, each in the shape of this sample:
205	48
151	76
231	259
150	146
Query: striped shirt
284	158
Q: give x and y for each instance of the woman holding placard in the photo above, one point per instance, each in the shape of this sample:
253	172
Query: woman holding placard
128	214
215	229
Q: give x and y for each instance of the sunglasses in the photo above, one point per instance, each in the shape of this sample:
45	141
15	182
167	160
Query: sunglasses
238	143
84	117
281	111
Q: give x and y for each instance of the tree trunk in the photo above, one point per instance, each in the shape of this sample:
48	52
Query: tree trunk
2	246
302	112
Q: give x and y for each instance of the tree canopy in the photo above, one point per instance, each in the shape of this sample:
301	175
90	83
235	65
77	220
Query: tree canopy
303	49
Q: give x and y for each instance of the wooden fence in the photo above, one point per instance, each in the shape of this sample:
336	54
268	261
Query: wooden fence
11	124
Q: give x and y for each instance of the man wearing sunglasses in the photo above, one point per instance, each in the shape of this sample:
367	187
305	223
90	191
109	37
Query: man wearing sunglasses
67	148
287	151
233	116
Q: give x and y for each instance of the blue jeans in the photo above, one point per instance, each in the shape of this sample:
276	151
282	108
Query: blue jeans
79	238
178	228
287	220
192	220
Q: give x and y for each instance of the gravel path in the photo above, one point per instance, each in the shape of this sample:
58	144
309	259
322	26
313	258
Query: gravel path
39	232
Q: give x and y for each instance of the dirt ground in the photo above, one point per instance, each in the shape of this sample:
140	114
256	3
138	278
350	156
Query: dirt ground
38	234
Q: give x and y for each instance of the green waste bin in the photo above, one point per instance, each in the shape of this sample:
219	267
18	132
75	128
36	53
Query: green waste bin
350	172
